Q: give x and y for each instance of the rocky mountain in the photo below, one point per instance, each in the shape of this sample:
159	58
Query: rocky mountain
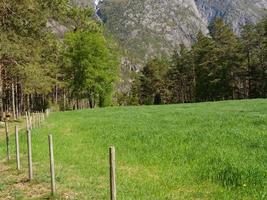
149	27
146	28
236	13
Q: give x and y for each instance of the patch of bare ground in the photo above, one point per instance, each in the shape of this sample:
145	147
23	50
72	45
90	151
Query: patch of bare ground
15	185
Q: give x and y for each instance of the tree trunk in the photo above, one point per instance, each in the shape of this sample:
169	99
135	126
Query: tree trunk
56	96
1	94
91	104
64	100
13	100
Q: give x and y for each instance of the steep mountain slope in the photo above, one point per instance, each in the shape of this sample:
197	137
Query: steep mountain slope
235	13
150	27
146	28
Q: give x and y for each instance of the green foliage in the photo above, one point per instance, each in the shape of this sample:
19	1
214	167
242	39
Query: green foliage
90	66
36	59
254	48
28	50
217	67
181	77
151	81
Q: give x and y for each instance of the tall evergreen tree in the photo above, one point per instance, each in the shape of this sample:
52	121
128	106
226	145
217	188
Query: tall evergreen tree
181	76
152	82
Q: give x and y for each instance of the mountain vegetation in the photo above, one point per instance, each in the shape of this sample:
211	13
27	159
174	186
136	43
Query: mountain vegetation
217	67
148	28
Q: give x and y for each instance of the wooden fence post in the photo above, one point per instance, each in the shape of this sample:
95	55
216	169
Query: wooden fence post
52	165
17	147
30	120
27	121
7	140
35	121
17	112
29	144
39	120
112	163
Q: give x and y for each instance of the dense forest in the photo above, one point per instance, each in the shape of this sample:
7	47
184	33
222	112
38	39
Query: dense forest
40	66
56	55
220	66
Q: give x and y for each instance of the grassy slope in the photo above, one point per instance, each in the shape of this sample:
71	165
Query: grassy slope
192	151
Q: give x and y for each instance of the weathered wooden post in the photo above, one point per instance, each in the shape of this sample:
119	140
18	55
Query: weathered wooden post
17	112
7	140
29	144
52	165
43	116
27	121
112	163
39	119
34	121
17	147
47	111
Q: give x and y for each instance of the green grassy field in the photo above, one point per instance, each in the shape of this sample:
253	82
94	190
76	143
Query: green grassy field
191	151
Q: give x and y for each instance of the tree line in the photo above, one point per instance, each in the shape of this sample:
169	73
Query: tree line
53	54
218	66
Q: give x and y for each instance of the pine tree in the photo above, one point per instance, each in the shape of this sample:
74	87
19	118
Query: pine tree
152	82
227	60
181	76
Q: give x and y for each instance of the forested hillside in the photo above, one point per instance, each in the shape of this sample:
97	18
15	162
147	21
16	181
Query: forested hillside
57	53
53	54
220	66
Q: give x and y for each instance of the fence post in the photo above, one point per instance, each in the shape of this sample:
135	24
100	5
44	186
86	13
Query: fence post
17	147
52	165
29	144
39	120
30	120
17	112
27	121
35	121
112	163
7	140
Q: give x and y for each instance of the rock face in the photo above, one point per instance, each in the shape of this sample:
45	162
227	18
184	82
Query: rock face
146	28
236	13
150	27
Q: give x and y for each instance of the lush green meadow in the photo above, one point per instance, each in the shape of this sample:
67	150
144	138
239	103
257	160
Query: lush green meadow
191	151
